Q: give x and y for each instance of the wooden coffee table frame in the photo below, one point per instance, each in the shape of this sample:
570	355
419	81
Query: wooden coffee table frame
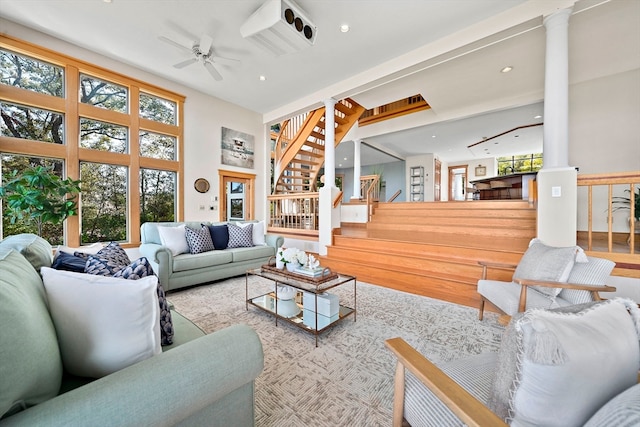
302	286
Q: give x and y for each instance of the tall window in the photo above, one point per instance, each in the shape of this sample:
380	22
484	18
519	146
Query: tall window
520	163
119	136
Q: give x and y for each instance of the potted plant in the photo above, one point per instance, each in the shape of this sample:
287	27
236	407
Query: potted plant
38	196
624	203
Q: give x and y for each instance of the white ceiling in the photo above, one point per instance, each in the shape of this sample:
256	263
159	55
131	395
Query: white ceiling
470	99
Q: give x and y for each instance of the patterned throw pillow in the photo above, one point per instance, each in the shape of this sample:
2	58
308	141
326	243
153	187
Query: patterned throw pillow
240	237
142	268
199	240
136	270
219	236
101	266
114	252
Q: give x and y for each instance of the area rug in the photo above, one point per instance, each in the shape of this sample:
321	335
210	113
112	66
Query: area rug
348	378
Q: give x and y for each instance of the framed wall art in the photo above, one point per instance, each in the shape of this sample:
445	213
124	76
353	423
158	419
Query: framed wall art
237	148
481	170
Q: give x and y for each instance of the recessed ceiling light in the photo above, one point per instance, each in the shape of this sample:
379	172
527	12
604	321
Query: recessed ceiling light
345	158
107	1
262	78
506	69
340	165
344	28
538	117
433	136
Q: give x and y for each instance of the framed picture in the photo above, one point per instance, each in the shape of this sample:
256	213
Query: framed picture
237	148
481	170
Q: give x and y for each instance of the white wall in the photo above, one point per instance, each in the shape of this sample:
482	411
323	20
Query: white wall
604	124
204	116
604	136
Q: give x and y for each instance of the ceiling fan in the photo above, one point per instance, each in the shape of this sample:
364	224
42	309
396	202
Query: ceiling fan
202	51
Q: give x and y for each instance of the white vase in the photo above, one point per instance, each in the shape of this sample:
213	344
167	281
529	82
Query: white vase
291	266
288	308
279	262
286	292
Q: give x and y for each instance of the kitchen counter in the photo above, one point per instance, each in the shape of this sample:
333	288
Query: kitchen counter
513	186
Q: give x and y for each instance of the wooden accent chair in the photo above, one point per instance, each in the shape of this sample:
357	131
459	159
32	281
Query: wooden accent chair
546	277
554	369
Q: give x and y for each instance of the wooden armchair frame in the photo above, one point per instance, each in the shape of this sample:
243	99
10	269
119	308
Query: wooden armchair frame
466	407
525	283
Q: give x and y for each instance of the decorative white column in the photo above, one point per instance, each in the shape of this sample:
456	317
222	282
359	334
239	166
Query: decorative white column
330	142
329	218
356	169
557	181
556	91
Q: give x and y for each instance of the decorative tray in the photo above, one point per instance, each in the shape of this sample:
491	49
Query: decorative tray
327	274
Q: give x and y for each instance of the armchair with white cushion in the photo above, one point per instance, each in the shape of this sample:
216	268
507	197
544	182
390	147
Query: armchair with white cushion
546	277
570	366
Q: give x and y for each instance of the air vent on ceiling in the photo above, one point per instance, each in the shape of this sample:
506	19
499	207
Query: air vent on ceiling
279	26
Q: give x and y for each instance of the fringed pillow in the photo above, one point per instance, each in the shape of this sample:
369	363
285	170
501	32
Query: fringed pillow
557	367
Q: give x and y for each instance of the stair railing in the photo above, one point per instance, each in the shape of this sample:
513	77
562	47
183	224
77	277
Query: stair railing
338	199
288	130
296	212
370	190
621	183
395	196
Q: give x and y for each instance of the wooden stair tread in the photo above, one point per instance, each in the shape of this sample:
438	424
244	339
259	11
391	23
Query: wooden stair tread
450	256
441	239
461	205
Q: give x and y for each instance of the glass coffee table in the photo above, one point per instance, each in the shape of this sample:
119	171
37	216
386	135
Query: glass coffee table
308	291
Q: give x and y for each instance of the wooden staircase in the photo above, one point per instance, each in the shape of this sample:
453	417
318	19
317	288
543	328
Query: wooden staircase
299	153
433	248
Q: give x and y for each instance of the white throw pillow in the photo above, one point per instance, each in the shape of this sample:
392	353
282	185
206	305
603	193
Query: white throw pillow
557	367
103	324
257	232
174	238
546	263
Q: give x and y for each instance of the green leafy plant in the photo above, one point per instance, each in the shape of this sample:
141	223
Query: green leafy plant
624	203
38	196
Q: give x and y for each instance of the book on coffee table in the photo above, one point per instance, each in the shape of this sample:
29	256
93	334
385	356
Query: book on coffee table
316	272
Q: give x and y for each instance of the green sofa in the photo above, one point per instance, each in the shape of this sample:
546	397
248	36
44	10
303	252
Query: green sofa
187	269
199	380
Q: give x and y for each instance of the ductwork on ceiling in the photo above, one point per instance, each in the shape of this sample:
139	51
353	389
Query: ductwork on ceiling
280	27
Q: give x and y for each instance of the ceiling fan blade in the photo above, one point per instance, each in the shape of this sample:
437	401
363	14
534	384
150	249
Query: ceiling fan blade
224	61
185	63
205	44
175	44
212	70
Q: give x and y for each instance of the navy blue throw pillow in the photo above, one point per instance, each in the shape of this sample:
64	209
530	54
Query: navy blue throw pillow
68	262
219	235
